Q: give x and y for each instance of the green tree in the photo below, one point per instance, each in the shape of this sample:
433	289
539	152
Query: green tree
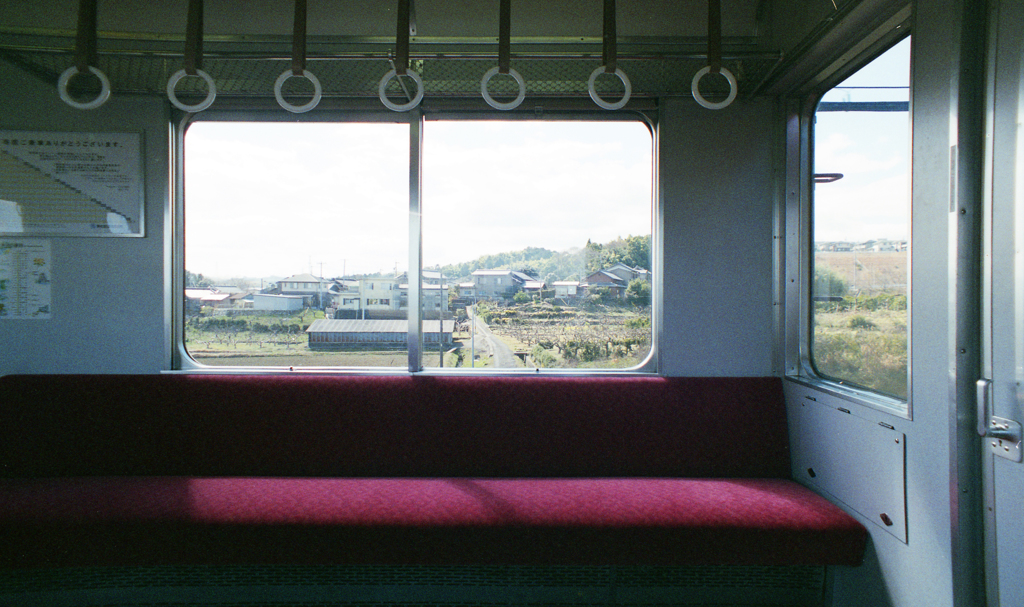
638	293
638	252
828	284
196	281
592	254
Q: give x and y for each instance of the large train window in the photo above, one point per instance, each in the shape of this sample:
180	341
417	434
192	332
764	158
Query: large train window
860	227
535	239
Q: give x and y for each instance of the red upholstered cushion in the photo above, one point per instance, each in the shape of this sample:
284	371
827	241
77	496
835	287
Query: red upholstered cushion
94	521
377	426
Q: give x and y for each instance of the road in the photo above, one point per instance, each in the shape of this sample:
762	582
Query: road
503	357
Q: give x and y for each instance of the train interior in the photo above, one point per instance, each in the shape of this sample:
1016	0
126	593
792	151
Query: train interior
830	193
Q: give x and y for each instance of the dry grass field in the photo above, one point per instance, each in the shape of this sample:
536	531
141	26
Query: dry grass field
868	272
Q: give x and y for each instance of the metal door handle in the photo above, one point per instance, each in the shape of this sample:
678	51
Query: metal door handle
1005	434
984	395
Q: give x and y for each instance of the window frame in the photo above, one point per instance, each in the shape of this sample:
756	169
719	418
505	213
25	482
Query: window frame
797	266
356	111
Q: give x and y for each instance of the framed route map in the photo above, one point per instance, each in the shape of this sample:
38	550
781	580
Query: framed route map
25	276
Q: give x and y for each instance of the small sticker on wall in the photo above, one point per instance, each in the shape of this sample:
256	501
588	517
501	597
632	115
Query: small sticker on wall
25	279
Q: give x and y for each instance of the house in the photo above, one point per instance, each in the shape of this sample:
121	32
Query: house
196	299
381	293
501	284
392	293
628	273
567	290
467	290
241	299
603	279
434	297
432	277
615	278
344	295
313	290
533	288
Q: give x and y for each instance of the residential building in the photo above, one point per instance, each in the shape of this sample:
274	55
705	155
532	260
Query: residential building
567	290
313	290
501	284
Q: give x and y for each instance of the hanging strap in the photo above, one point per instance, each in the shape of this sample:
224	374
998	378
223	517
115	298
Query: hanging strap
299	39
609	52
402	38
194	38
715	35
504	36
85	42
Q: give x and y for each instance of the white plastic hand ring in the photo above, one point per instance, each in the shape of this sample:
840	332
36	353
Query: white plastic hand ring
700	98
511	105
211	92
382	88
298	109
597	98
71	72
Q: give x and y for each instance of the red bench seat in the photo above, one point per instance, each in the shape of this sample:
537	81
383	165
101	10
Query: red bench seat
109	470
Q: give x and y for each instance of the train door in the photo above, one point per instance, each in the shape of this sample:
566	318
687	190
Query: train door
1002	388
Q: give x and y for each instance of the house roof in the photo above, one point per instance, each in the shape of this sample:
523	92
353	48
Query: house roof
216	297
326	325
519	276
604	277
197	293
426	287
303	278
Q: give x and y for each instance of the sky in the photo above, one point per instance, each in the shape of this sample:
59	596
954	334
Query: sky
871	150
274	199
277	199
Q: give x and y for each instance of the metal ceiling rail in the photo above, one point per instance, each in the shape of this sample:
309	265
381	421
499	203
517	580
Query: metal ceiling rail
34	40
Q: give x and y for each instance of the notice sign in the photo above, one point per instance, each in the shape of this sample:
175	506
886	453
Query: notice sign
71	184
25	279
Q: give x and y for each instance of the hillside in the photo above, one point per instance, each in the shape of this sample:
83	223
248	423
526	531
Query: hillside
550	266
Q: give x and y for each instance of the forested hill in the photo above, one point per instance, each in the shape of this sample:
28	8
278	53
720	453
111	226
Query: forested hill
549	266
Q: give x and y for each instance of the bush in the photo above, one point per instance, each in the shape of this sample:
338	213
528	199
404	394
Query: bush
859	322
867	303
640	322
875	360
828	283
638	293
542	357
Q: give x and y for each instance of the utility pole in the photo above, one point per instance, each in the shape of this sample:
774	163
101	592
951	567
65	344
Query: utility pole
440	321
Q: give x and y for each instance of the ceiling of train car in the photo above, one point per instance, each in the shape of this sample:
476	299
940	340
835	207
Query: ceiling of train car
554	45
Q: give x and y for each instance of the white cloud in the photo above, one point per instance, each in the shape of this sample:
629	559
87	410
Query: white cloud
260	202
871	201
